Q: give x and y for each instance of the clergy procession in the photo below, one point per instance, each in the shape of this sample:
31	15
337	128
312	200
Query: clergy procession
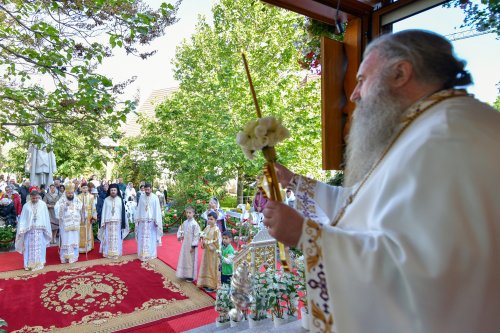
65	216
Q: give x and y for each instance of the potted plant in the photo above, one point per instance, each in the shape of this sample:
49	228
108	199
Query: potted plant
277	298
291	281
259	307
7	236
223	304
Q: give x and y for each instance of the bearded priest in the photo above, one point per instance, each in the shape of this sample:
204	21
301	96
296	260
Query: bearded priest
148	225
114	226
33	232
68	210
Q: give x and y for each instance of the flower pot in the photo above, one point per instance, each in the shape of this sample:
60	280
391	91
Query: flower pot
278	322
233	323
304	318
252	323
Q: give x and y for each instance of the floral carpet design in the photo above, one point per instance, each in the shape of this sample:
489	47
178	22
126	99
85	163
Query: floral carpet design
96	296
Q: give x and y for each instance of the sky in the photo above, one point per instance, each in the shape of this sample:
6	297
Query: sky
481	53
156	72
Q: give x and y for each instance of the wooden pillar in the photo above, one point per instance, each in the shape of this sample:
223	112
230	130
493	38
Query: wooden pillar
333	99
339	67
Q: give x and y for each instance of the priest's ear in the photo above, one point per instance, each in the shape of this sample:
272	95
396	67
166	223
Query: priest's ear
401	73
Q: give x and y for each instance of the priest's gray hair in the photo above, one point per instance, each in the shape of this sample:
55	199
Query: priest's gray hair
430	54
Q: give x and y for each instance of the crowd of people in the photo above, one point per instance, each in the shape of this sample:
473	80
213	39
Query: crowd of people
65	214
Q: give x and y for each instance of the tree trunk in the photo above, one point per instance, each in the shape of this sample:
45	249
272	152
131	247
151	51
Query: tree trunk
239	188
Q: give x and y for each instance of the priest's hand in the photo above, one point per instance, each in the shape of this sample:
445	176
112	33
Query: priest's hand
284	175
284	222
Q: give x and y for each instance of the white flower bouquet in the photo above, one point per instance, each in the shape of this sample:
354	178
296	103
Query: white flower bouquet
223	303
261	133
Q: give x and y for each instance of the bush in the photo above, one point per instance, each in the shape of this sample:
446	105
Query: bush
229	202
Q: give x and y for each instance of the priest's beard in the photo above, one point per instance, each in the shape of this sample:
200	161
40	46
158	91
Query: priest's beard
374	122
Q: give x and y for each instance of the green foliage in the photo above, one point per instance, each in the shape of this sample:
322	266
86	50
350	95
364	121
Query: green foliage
7	235
2	324
496	105
482	16
195	129
337	179
228	202
134	164
61	44
197	194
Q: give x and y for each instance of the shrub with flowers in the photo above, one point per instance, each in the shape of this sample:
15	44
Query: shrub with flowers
223	303
196	194
171	218
7	235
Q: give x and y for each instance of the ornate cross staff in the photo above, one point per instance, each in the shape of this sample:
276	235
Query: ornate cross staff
263	134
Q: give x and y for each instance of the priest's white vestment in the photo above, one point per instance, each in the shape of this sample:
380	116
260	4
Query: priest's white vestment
148	226
418	250
111	234
69	214
33	234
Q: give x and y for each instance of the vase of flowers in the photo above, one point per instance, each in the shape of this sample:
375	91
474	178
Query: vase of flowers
223	304
7	236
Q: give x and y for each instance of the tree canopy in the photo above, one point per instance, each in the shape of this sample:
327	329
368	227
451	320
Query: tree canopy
195	130
50	51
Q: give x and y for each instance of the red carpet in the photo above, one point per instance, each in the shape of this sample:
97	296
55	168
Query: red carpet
168	253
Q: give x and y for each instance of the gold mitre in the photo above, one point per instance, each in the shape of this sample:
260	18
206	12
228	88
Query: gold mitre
69	187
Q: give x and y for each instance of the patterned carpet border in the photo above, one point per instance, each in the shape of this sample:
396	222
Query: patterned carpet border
102	321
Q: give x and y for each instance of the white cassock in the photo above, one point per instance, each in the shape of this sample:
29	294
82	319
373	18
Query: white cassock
418	249
69	214
33	234
148	226
187	266
111	234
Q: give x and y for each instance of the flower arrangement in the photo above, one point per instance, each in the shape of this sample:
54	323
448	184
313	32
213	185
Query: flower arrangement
261	133
262	284
292	282
223	303
277	295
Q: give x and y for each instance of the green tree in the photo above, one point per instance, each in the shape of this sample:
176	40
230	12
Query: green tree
195	130
482	15
49	54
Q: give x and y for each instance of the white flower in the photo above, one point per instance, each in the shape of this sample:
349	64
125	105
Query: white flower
261	133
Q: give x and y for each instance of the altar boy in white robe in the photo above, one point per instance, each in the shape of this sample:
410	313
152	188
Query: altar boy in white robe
148	225
68	210
114	225
189	235
33	232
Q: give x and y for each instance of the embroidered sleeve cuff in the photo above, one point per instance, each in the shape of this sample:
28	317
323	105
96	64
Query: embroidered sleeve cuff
303	236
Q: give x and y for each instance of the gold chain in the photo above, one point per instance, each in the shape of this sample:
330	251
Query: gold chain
419	108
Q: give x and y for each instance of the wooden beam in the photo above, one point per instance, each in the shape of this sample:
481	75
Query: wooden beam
333	65
352	7
310	8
